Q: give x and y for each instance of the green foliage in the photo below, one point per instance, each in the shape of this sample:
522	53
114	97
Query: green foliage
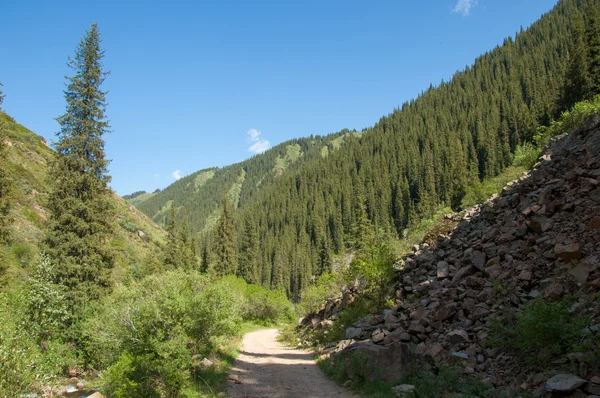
47	311
148	333
375	269
313	297
80	210
226	242
541	333
481	191
527	155
25	364
128	226
261	306
6	184
23	253
448	381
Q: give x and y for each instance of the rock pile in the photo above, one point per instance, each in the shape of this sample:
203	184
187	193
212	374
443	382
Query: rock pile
539	238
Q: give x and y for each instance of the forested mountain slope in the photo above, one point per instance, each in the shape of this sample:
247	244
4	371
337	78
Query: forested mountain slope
202	192
421	156
136	240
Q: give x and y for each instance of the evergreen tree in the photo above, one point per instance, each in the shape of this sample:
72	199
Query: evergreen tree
173	254
225	245
5	181
592	36
577	81
247	268
188	245
80	214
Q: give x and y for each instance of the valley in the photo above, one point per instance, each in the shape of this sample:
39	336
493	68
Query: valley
451	248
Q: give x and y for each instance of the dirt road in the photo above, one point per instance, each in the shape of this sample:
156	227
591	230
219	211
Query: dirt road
266	368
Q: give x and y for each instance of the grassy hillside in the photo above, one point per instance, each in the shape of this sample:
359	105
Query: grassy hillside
201	193
137	239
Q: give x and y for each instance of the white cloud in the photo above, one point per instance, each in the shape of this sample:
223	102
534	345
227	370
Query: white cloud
258	145
464	6
176	174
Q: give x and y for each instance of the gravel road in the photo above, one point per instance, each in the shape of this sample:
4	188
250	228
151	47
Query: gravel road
267	368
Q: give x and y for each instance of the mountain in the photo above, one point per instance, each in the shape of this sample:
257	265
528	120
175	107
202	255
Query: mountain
474	289
424	156
202	192
137	239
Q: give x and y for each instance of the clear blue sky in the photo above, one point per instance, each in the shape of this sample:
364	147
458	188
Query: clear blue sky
190	79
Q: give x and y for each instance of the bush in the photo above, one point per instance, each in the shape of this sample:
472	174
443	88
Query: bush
526	155
24	365
375	270
46	311
147	334
261	305
540	333
314	296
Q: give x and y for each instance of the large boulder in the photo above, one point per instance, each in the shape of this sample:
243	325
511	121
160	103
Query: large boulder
370	361
564	383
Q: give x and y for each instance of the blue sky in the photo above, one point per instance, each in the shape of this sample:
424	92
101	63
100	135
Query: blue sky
196	84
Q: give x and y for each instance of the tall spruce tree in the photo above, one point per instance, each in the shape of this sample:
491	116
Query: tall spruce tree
5	181
247	268
80	213
578	85
225	245
592	37
173	255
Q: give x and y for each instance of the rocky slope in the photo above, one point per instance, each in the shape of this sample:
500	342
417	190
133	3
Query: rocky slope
540	238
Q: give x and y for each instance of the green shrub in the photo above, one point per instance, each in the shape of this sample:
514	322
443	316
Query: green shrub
526	155
148	333
542	332
23	253
314	296
46	306
375	269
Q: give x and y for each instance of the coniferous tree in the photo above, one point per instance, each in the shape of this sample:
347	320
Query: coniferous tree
578	85
173	255
80	213
592	36
5	182
247	268
188	244
225	245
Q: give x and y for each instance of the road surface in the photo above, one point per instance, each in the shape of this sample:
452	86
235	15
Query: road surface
267	368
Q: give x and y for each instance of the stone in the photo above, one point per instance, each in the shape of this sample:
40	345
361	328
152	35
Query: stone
564	383
568	252
461	273
457	337
353	333
540	224
443	270
554	292
378	336
403	389
478	259
445	312
390	318
461	355
416	328
592	388
580	273
594	224
525	275
206	363
383	362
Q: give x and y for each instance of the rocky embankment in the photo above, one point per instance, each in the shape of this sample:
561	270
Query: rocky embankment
539	238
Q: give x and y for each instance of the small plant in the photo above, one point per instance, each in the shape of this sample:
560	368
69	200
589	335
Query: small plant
542	332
